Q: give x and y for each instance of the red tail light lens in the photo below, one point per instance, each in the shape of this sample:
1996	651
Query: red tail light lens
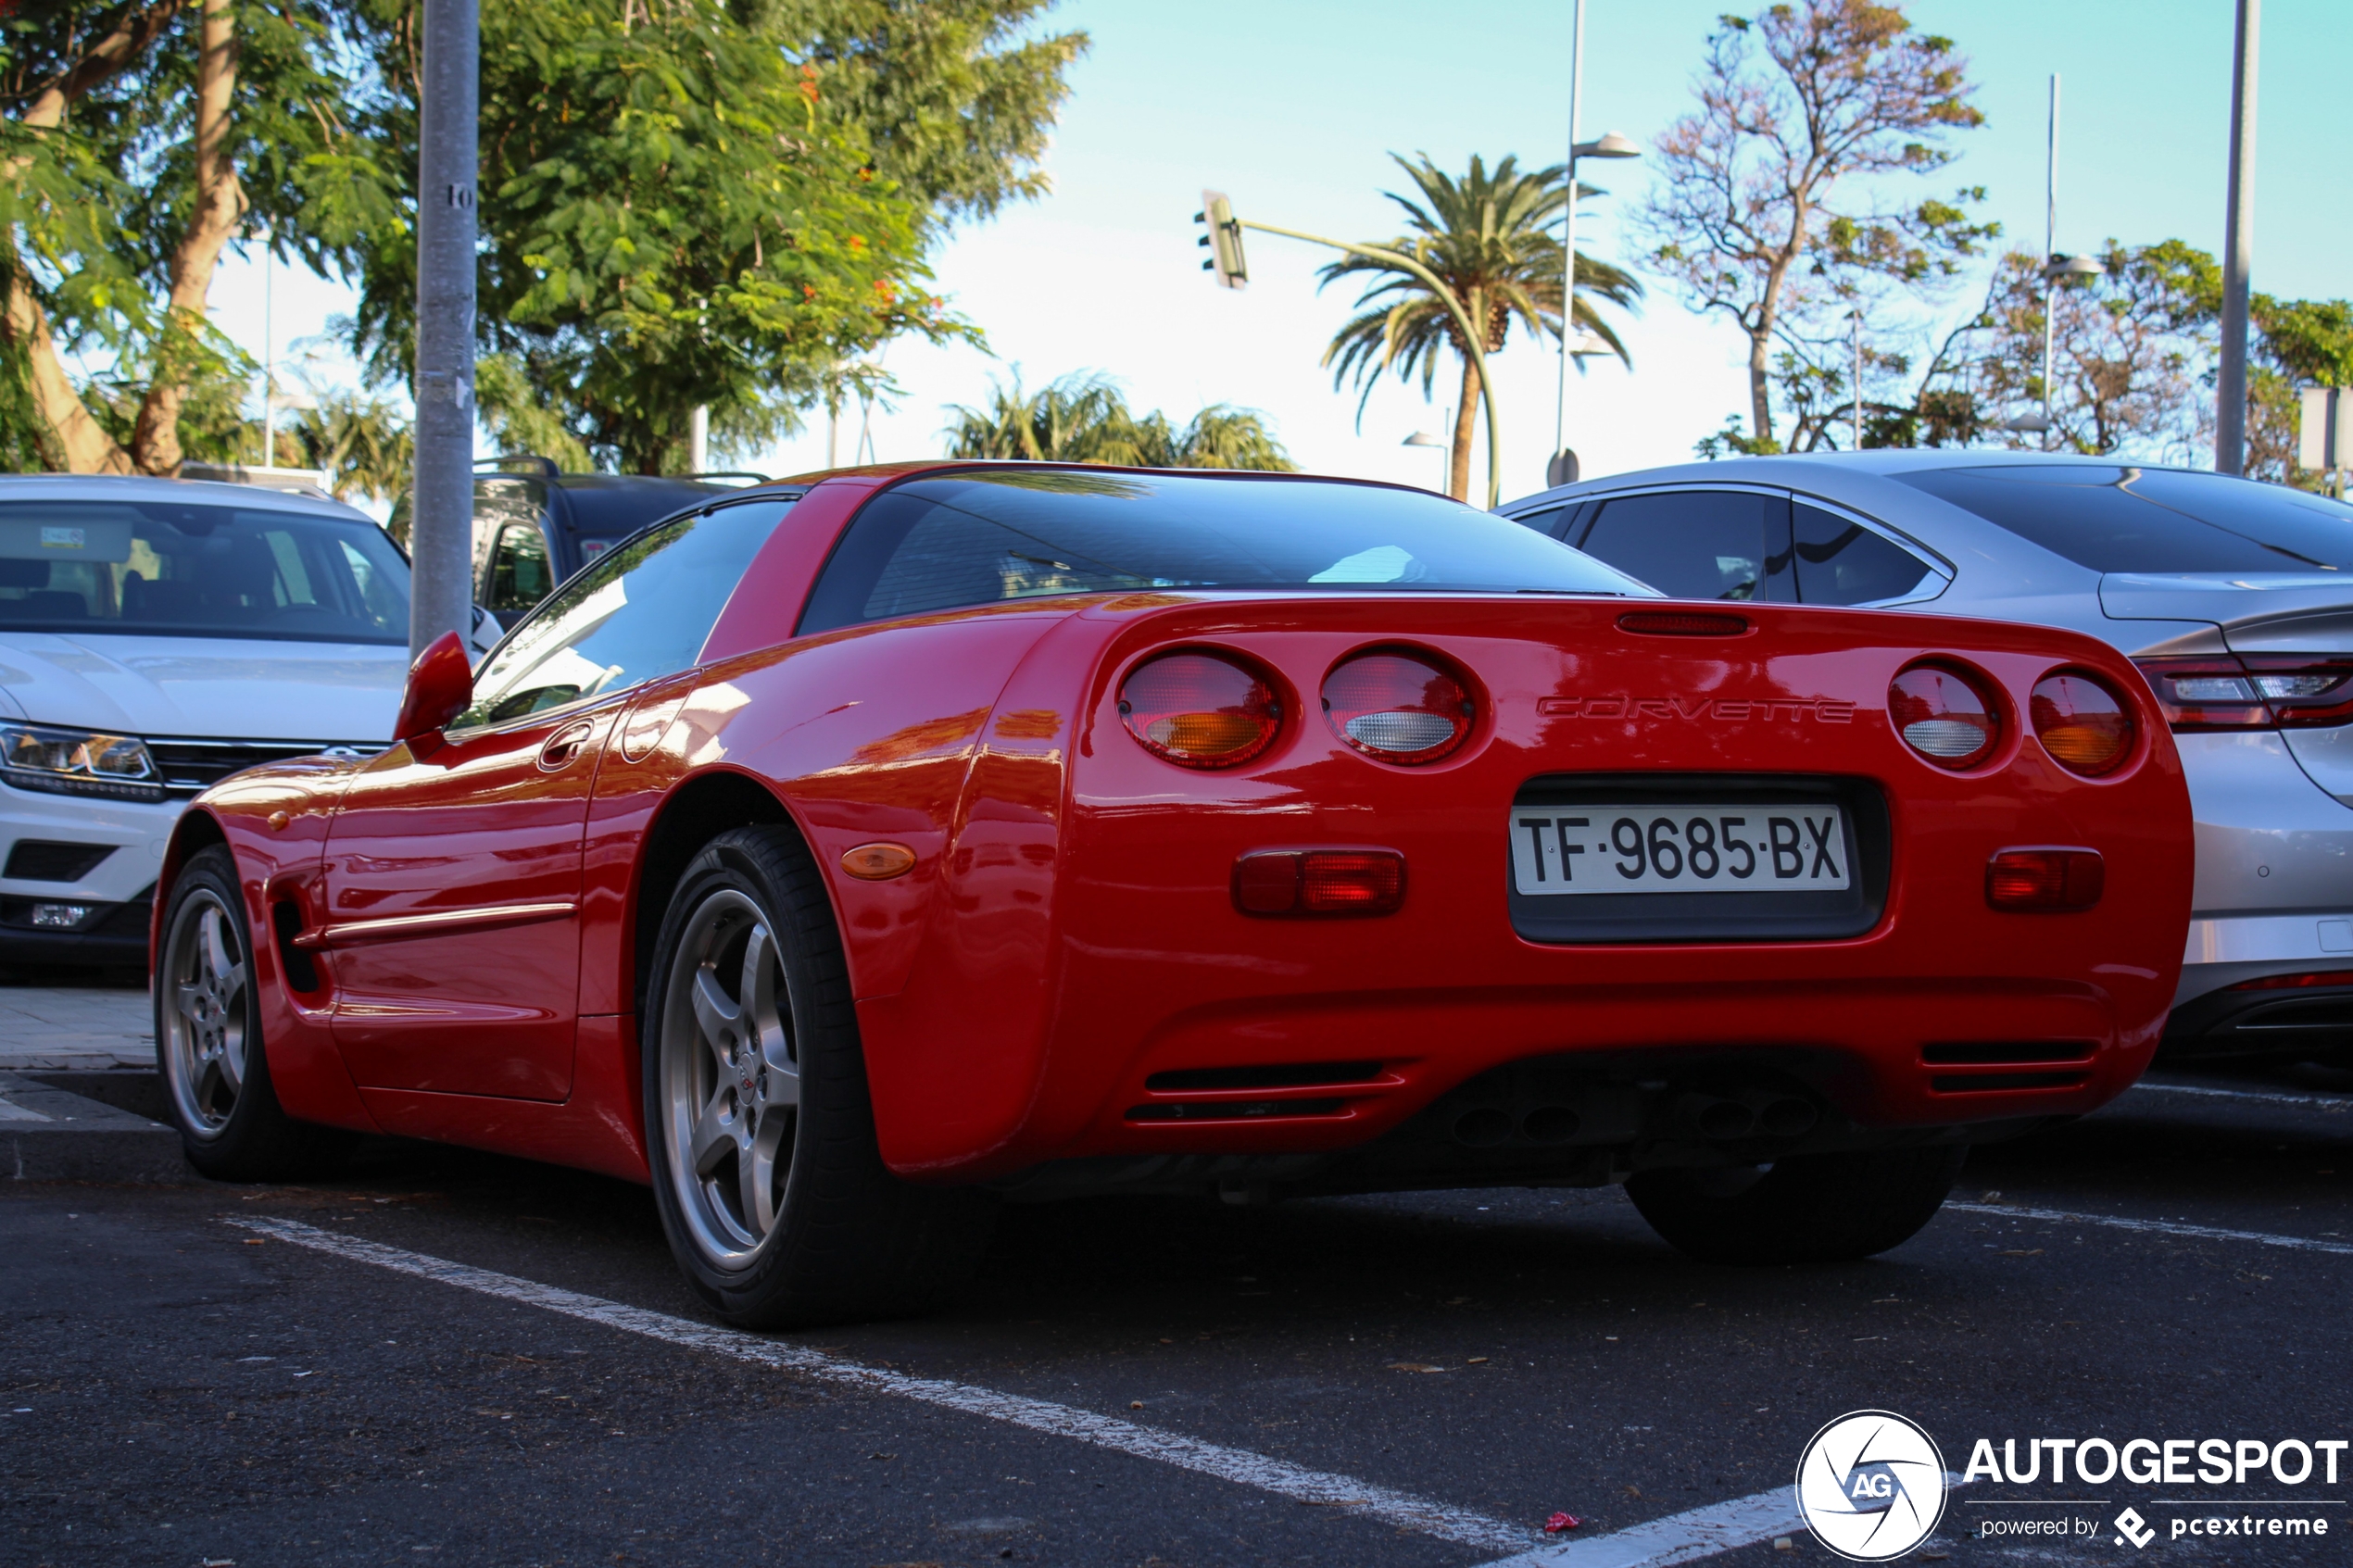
2252	691
2082	724
1943	715
1320	882
1201	709
1398	707
2296	982
2032	880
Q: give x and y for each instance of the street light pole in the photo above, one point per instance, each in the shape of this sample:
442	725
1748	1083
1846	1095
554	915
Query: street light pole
2050	255
1555	469
1405	263
2238	252
441	527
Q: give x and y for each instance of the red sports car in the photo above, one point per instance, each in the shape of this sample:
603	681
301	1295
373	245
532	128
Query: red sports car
852	854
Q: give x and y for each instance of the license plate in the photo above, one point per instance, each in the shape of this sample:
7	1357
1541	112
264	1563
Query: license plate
1574	849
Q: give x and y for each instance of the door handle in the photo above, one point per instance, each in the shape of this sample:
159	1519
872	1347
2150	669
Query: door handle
565	744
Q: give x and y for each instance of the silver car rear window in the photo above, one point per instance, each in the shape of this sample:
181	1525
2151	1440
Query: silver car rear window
2126	519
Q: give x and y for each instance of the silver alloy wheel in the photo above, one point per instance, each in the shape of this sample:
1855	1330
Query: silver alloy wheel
731	1078
202	982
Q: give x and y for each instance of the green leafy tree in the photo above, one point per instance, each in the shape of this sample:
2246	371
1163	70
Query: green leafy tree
1084	417
1485	237
363	441
1771	208
137	142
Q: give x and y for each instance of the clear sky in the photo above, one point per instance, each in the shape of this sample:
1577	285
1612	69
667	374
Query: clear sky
1294	106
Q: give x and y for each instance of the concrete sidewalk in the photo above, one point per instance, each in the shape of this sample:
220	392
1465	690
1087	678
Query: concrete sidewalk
52	1028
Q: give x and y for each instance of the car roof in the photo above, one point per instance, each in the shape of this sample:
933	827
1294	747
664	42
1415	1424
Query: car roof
148	487
1832	472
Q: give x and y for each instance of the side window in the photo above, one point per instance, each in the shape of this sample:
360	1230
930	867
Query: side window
1547	522
1844	563
1695	544
641	611
519	574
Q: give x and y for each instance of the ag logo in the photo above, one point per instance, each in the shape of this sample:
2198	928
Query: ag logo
1871	1485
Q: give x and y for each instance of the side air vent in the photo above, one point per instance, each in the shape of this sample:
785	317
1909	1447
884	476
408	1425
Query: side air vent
2003	1053
1233	1109
37	859
1275	1076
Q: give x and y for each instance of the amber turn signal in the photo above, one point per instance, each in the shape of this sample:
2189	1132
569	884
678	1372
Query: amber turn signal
878	862
1320	882
2038	880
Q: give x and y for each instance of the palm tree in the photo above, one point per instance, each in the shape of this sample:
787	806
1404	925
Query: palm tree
1488	237
1084	417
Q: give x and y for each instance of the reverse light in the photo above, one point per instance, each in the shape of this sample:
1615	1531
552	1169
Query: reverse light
2084	725
1320	882
2252	691
2033	881
1398	707
78	762
1201	709
1943	715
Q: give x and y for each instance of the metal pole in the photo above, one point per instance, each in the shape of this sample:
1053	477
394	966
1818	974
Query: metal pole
698	439
440	538
1855	319
1462	324
2238	252
2050	251
269	366
1568	233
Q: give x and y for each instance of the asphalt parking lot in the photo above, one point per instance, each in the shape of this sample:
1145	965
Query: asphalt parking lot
512	1373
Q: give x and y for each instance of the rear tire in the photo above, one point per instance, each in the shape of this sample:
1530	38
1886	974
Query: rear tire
208	1045
758	1127
1812	1209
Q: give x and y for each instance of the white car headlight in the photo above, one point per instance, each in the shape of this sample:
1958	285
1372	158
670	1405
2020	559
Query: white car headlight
78	762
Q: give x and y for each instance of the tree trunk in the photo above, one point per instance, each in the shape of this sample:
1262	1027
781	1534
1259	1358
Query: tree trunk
155	443
73	439
72	436
1466	425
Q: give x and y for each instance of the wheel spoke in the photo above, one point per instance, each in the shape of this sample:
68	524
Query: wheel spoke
232	980
774	1123
217	961
712	1136
752	1187
231	1062
207	1080
183	1000
718	1017
768	1018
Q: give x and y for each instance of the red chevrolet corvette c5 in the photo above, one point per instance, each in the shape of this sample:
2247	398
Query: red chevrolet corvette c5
852	854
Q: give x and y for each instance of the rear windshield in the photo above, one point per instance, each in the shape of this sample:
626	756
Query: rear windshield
2154	520
190	569
977	538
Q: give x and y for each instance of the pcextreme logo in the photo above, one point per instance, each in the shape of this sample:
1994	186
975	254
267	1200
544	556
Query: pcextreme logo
1871	1485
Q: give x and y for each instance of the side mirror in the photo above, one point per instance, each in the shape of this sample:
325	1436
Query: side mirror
440	685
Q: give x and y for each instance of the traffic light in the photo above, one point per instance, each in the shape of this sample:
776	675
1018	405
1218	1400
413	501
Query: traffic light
1224	240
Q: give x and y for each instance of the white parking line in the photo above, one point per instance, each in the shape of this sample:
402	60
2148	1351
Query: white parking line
2325	1102
1680	1537
1238	1465
2161	1227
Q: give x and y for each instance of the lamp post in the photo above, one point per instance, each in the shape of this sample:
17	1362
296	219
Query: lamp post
1430	438
441	531
2056	269
2238	252
1562	467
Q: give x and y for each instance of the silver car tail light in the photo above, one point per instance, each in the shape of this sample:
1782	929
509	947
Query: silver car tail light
2252	691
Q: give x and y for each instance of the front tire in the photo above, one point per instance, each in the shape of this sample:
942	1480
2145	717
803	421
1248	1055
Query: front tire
1813	1209
208	1045
758	1128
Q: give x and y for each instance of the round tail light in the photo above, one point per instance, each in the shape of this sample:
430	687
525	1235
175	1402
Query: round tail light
1943	715
1199	709
2081	724
1398	707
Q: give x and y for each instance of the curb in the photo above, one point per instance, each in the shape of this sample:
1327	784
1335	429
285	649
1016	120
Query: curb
48	1134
